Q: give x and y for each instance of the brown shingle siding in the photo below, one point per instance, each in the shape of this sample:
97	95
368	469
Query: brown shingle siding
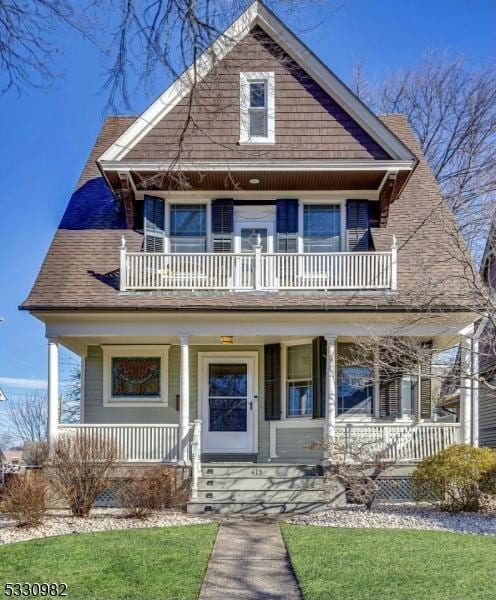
308	121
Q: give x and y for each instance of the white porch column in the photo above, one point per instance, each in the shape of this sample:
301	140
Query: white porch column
475	392
331	387
53	389
184	401
465	390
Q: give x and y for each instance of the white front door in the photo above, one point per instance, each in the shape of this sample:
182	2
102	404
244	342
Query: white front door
228	400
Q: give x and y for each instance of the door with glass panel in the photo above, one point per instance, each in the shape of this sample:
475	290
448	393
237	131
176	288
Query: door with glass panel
228	410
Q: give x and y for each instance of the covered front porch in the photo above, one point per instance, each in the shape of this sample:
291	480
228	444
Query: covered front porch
245	387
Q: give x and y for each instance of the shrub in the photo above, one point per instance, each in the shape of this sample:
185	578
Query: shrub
460	478
35	453
146	491
25	498
354	466
80	466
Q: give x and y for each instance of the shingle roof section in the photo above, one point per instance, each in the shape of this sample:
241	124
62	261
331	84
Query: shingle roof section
80	270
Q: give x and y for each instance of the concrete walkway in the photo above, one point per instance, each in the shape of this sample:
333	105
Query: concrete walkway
249	561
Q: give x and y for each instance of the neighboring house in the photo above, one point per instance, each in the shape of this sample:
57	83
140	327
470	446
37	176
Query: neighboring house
487	360
228	284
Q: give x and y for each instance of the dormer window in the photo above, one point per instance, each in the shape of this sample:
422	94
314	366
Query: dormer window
257	108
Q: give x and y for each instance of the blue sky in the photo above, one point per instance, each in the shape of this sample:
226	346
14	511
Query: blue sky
46	136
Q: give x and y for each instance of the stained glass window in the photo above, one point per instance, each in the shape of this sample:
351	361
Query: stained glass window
135	377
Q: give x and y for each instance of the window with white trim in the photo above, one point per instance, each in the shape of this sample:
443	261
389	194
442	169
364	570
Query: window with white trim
299	380
321	228
188	228
409	393
355	381
257	107
135	375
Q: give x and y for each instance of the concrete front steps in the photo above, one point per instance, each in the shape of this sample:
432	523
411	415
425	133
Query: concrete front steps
241	488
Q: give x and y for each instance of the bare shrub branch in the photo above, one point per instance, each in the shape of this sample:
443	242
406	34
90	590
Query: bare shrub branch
356	465
26	499
80	466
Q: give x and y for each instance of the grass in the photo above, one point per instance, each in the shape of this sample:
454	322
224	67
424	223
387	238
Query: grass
375	564
151	564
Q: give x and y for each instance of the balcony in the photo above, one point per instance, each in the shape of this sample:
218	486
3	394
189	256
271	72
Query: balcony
257	271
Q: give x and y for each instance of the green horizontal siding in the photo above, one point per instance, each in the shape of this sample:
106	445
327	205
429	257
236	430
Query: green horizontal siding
293	444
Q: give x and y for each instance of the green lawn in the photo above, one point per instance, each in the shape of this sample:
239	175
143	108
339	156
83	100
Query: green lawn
375	564
151	564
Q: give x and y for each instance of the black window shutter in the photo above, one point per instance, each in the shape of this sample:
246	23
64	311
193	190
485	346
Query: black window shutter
390	395
319	367
222	224
357	226
154	224
287	224
425	387
272	374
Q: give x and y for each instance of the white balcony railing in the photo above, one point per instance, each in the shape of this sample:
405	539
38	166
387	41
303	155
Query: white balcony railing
257	271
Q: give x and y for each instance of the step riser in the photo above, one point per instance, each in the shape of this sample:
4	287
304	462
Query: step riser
276	489
259	483
258	471
261	496
259	508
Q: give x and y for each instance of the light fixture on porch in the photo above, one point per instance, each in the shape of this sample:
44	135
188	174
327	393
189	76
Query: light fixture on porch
226	339
254	181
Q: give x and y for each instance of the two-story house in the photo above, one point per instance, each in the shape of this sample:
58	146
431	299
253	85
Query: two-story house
221	254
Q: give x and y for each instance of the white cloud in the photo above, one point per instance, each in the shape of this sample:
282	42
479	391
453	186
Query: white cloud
20	382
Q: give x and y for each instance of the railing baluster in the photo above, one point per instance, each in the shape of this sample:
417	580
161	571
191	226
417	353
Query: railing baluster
331	271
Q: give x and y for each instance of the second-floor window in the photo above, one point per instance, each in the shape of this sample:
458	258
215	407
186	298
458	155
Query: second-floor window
257	107
188	228
321	228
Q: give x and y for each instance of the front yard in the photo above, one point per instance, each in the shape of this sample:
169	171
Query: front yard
149	564
373	564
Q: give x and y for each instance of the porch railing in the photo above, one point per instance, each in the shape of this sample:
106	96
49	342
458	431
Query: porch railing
135	443
258	271
400	442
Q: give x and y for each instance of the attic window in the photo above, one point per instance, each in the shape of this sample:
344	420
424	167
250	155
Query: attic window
257	108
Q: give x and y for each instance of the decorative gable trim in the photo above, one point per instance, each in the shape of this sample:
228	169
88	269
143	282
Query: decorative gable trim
258	14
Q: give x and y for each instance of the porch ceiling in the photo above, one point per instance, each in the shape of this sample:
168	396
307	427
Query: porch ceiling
240	180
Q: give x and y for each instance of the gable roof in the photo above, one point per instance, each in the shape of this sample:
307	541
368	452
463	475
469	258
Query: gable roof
257	15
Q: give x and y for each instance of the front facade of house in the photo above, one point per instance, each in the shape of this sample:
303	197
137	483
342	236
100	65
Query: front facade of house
226	252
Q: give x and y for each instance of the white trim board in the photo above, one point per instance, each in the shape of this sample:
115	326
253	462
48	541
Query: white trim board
258	14
245	78
258	165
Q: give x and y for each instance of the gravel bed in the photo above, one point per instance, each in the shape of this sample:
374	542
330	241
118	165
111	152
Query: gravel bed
60	522
402	516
